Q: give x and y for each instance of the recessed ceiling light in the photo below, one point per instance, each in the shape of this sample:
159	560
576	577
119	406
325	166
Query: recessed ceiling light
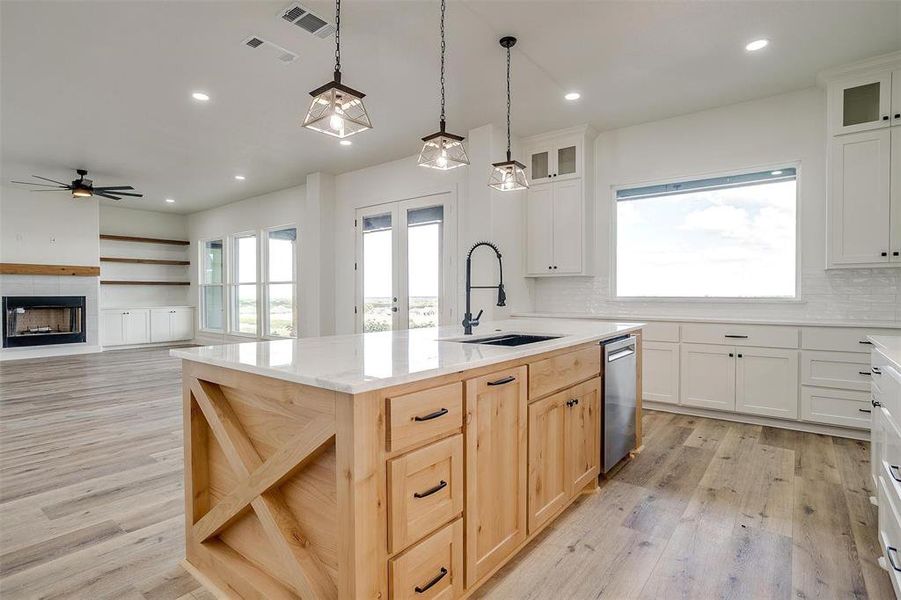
775	172
345	142
573	96
240	177
757	45
170	201
200	96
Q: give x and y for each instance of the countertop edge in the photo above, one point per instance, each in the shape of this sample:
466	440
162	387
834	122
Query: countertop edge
891	352
791	323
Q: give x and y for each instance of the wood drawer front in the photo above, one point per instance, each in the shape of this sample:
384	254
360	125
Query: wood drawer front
844	370
562	371
427	414
836	407
438	557
768	336
425	490
840	339
660	332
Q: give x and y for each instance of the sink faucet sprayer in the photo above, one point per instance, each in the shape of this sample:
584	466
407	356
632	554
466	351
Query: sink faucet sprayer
468	321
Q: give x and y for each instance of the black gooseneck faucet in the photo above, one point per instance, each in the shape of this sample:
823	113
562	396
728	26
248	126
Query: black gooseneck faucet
468	321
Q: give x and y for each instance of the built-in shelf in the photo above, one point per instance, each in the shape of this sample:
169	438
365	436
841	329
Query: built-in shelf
115	282
35	269
143	240
145	261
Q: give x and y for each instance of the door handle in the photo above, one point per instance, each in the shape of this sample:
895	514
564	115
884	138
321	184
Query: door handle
739	337
864	373
503	380
895	472
439	577
432	490
869	343
621	354
864	410
877	370
430	416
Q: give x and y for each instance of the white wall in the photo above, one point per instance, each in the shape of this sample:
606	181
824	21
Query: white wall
779	129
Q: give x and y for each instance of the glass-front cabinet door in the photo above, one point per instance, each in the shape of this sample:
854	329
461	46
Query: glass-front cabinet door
862	103
540	167
557	159
567	163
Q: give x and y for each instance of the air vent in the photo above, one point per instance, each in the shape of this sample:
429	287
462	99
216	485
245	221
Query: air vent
307	20
258	44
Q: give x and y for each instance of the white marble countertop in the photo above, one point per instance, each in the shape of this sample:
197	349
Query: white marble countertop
364	362
890	346
643	318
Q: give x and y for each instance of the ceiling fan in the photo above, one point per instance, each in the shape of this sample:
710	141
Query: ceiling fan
83	188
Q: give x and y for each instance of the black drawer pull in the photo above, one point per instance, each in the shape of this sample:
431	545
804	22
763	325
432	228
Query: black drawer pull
441	485
892	551
865	342
877	370
503	380
875	402
430	416
865	410
438	577
738	337
895	472
864	373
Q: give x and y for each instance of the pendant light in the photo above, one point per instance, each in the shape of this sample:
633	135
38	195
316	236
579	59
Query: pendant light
443	151
510	175
336	109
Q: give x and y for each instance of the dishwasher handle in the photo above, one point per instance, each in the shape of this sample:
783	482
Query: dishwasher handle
621	354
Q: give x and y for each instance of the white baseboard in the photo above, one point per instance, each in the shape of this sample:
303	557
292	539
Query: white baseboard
854	434
47	351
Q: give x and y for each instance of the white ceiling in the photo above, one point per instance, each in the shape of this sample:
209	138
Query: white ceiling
107	85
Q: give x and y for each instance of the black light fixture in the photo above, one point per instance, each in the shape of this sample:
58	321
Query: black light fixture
336	109
509	175
443	150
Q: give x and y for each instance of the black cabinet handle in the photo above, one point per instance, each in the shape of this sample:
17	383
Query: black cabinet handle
877	370
883	254
885	117
875	402
503	380
572	402
898	115
731	355
869	343
739	356
430	491
864	373
864	410
430	416
740	337
896	253
892	551
439	577
555	266
895	471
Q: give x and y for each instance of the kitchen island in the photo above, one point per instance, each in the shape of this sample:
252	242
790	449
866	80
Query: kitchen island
405	464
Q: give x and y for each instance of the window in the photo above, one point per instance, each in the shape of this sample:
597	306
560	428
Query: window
244	284
424	235
212	307
280	282
727	237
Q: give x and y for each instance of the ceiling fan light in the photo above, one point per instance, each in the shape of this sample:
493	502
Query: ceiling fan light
508	176
81	192
443	151
337	110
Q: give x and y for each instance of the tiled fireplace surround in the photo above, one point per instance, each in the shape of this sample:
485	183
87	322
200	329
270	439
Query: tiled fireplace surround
55	285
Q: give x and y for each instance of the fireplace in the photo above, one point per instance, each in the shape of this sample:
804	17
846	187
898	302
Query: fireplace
43	320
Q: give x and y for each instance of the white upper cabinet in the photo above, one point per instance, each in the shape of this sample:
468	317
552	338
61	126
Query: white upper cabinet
556	158
896	97
895	193
568	216
540	229
861	103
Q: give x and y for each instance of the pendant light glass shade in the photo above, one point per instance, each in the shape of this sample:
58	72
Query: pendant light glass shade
509	175
441	150
336	109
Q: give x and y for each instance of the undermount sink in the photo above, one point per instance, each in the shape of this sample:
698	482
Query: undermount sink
506	339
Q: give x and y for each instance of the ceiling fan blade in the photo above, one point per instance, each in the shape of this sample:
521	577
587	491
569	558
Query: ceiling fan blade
113	187
106	196
96	191
54	190
41	184
53	180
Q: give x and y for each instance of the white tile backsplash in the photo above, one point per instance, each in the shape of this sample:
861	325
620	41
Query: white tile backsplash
835	295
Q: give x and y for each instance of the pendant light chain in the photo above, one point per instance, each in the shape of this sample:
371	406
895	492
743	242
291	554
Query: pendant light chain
337	37
443	50
508	103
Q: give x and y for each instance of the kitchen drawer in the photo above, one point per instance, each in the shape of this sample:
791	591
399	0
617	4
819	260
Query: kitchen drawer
425	491
890	458
886	389
660	332
424	415
844	370
432	569
846	408
890	533
840	339
563	370
768	336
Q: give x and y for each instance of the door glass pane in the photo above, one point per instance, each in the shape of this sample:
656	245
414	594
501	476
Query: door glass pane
540	165
566	160
246	313
281	254
424	235
281	309
246	259
212	261
861	104
377	273
212	307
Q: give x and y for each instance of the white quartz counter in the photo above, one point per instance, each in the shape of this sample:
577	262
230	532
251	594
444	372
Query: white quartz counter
738	320
890	346
370	361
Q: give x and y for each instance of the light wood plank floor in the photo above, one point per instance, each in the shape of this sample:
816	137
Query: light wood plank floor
91	502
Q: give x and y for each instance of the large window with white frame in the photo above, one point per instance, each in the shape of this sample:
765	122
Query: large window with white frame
212	285
720	237
245	285
280	318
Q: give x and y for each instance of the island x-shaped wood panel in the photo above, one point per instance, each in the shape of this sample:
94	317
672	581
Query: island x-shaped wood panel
258	489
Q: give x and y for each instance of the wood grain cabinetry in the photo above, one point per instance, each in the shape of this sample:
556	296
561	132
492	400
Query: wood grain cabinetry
548	475
431	569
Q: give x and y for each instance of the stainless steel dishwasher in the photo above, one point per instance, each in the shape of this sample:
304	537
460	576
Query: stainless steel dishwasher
620	400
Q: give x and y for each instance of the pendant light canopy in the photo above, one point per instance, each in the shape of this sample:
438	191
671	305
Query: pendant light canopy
442	150
510	175
336	109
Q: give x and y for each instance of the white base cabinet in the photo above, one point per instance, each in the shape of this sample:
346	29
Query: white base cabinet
708	376
171	324
135	326
766	382
660	372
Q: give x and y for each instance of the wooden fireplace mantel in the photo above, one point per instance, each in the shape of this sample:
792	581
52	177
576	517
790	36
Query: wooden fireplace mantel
36	269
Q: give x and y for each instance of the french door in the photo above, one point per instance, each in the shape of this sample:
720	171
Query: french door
406	263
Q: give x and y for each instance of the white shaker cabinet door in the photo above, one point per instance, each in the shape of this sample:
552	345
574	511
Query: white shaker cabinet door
708	376
766	382
568	225
540	230
660	372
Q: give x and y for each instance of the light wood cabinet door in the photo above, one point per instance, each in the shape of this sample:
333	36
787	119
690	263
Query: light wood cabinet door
707	376
766	382
859	198
548	474
660	372
568	225
583	423
496	476
540	229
